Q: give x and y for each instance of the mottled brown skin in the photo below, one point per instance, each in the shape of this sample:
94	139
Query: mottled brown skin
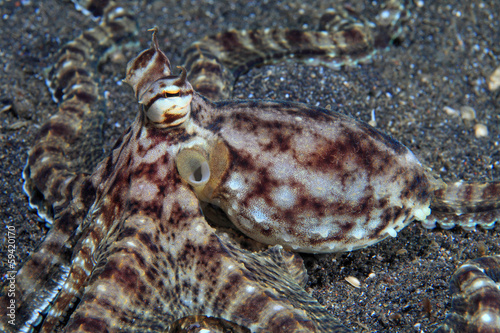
346	153
129	248
166	262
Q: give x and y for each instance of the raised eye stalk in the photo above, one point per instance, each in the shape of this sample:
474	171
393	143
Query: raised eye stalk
166	97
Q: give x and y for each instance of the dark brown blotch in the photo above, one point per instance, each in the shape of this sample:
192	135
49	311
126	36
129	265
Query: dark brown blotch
230	40
491	191
88	324
55	128
230	288
252	307
142	60
146	240
291	323
40	150
71	51
73	109
46	172
207	67
66	76
298	38
196	52
354	37
82	95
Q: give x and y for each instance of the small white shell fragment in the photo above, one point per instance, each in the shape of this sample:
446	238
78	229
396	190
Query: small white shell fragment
480	130
467	113
450	111
419	3
5	108
371	275
353	281
494	80
373	121
401	252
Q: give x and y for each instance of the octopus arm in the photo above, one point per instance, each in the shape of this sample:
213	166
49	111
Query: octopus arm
466	205
169	264
476	298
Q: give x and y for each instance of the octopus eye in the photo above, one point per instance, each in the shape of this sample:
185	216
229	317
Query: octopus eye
167	107
193	167
171	93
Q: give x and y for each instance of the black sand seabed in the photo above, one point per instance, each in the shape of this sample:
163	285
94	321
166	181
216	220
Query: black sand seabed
448	51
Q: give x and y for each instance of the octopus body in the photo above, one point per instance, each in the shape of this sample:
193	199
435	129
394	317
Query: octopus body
130	248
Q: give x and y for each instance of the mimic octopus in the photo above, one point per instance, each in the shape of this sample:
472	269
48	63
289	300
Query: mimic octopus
130	249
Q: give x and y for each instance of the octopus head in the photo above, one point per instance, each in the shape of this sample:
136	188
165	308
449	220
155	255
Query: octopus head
166	98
